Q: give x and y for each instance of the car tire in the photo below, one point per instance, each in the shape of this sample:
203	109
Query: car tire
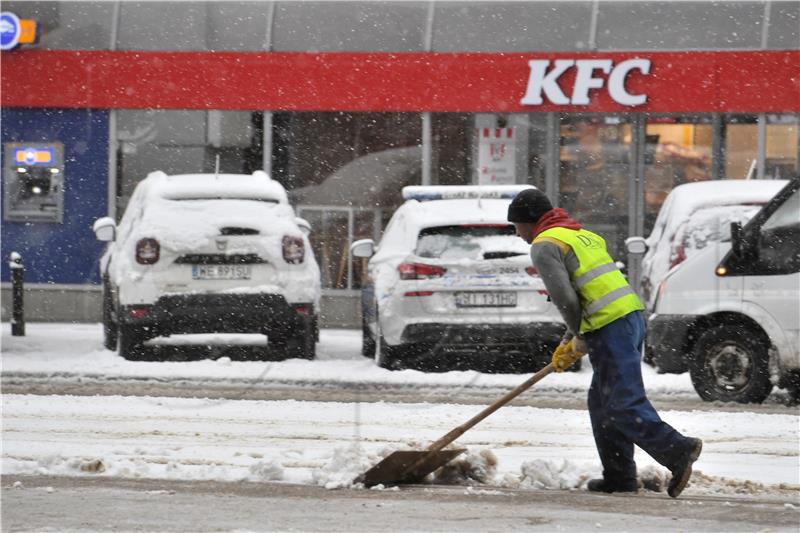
730	363
131	342
387	356
301	344
367	342
110	329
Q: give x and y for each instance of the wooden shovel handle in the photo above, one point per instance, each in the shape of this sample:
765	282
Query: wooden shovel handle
460	430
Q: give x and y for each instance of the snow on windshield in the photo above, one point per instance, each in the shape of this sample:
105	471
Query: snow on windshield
469	242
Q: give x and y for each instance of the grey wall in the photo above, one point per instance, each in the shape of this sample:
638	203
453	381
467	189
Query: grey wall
400	26
82	303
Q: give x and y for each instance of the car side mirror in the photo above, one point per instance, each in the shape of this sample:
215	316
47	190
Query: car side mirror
636	245
362	248
304	225
105	229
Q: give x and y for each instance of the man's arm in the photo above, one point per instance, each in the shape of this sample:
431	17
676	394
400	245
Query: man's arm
550	260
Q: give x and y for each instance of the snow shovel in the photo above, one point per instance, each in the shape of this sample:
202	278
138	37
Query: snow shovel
410	466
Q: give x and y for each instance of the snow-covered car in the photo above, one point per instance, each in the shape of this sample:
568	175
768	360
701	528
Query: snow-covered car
666	247
451	278
731	312
201	253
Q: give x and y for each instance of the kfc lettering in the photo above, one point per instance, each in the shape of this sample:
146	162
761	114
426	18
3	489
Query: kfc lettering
542	82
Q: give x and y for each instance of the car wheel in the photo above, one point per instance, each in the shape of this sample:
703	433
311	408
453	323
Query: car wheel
300	344
367	342
386	356
730	364
131	342
110	331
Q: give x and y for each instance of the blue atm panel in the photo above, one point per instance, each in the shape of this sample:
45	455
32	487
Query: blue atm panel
52	252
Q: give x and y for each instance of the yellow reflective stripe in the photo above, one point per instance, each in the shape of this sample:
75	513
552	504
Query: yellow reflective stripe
600	303
596	272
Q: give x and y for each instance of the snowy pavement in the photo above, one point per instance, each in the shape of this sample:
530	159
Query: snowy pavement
330	443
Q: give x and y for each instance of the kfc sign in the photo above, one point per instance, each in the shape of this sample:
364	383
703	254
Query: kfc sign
543	83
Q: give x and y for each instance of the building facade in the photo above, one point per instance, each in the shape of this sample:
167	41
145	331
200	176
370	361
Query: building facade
604	105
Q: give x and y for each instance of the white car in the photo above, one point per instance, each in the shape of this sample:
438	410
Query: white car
665	246
450	279
200	253
731	312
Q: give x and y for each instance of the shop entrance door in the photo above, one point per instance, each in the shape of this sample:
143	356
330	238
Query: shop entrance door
594	175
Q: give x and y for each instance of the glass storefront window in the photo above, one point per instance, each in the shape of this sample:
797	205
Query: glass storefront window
453	148
677	150
345	173
740	148
595	165
181	141
333	229
456	137
783	146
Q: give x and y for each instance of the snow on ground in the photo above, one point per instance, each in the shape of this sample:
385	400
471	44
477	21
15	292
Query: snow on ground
329	443
66	350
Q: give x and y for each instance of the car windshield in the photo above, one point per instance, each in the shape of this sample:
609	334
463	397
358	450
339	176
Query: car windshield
471	241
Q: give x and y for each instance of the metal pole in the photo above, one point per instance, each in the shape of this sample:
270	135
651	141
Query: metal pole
636	195
17	279
762	146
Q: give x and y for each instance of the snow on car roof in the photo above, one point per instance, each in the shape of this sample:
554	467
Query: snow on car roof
255	186
685	199
447	212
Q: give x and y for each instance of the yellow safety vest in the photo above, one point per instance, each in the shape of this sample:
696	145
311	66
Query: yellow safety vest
604	293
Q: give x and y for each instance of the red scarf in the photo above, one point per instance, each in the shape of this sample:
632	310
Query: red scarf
555	218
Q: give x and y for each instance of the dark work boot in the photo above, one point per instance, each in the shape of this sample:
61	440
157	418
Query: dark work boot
682	470
603	485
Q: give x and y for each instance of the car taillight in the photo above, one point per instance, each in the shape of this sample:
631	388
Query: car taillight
294	251
418	293
420	271
147	251
531	271
678	255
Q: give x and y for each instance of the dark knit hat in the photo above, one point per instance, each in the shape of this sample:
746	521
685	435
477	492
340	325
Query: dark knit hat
528	206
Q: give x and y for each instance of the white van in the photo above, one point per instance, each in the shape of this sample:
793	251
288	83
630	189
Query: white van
733	309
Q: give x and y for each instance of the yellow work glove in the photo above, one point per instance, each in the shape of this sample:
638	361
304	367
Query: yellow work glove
567	353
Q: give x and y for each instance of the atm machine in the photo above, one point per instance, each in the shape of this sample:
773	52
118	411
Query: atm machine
33	188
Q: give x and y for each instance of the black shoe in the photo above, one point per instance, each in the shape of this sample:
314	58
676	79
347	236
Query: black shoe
602	485
683	469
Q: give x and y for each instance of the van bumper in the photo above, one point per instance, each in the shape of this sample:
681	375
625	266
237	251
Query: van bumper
668	341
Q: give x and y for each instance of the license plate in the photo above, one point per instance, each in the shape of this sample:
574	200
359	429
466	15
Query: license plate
486	299
221	271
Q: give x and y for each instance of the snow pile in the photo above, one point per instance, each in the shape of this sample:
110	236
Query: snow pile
653	478
266	471
546	474
470	469
344	466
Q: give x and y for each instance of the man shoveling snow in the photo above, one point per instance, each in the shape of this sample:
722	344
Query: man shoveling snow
604	318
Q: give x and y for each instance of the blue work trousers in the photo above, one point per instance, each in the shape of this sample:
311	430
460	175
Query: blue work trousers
620	412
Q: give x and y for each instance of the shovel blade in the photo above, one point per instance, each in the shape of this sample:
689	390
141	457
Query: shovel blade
397	467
